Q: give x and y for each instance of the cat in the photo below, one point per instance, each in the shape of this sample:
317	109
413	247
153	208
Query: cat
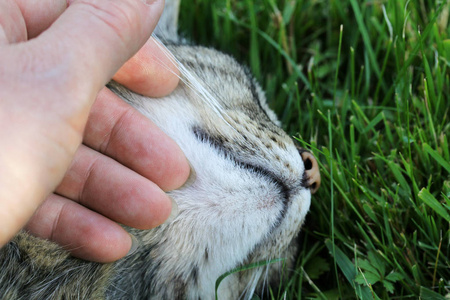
246	204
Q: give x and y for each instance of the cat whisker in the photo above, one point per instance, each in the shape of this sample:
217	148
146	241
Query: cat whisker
193	83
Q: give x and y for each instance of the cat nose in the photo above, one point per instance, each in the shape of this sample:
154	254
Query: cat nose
312	171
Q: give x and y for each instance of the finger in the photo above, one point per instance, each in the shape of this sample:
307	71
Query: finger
94	35
12	24
93	38
152	71
121	132
79	230
102	184
39	15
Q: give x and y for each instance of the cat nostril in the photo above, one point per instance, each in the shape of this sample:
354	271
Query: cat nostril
308	164
312	173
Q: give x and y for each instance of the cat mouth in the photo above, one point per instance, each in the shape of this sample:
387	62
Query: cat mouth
286	191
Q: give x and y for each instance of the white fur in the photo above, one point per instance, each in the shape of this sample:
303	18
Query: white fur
228	210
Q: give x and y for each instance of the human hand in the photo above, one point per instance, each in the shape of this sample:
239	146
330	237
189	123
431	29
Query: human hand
45	102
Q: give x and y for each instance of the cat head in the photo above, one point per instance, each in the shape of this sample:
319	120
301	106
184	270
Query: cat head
252	185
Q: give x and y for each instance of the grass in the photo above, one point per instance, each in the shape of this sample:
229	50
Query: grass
366	86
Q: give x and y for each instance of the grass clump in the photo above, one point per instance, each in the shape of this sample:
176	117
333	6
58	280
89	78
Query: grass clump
366	86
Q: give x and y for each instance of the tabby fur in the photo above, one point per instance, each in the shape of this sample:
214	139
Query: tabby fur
247	203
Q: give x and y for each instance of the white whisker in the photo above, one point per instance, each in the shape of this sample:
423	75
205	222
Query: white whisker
193	83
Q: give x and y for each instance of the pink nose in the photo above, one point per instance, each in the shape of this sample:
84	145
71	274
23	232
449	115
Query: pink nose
312	171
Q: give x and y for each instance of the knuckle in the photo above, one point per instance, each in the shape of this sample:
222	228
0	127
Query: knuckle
120	123
122	16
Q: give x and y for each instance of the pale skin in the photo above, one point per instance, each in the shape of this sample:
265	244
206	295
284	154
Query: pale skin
75	160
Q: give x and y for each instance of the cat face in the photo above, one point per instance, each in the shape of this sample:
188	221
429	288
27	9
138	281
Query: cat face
252	186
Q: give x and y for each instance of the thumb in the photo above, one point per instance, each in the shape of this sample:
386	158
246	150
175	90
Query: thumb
101	35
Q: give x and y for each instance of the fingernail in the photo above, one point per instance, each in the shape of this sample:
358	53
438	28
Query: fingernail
191	179
173	213
134	245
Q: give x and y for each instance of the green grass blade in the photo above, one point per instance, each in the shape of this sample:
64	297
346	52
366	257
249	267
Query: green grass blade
365	35
445	164
349	270
434	204
426	294
244	268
